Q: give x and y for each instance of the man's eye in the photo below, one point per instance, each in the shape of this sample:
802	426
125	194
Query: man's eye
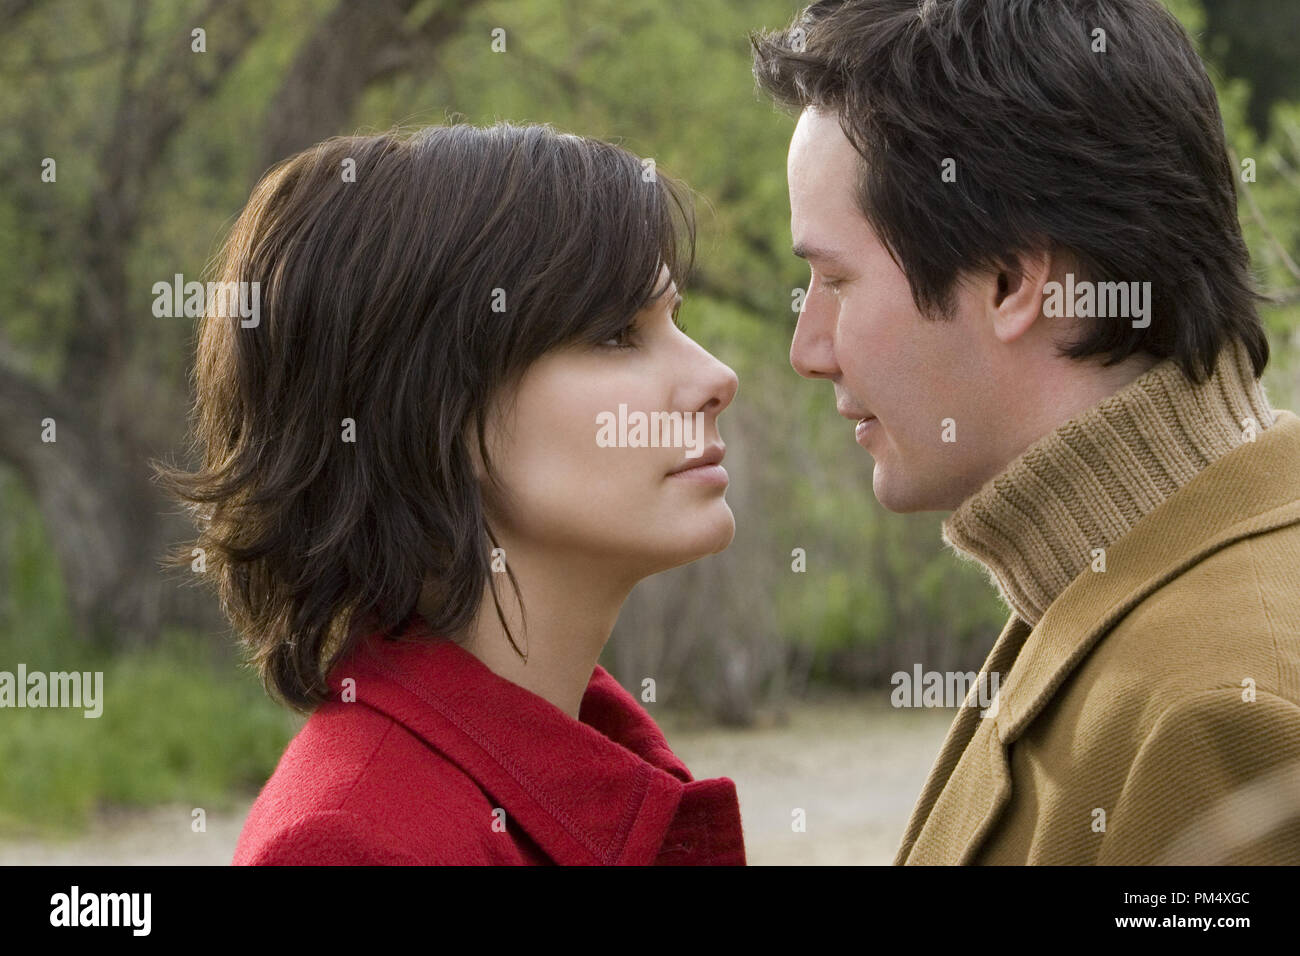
832	286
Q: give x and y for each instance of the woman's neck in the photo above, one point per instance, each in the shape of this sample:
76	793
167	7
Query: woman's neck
572	602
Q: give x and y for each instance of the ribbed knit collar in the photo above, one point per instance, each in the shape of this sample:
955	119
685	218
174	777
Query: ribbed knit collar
1036	526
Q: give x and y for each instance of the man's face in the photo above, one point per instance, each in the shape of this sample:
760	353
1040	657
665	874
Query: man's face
916	380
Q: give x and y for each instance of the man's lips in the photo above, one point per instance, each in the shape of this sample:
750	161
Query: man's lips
864	420
863	429
853	414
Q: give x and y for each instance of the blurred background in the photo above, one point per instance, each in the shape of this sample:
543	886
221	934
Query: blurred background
775	677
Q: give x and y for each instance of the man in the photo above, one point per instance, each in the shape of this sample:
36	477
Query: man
1030	291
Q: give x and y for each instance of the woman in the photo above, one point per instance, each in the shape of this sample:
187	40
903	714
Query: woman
414	518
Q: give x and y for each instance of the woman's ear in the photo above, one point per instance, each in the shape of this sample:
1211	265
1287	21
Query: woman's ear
475	455
1014	297
497	422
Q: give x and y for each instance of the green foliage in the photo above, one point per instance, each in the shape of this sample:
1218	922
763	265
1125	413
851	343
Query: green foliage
177	725
180	721
34	613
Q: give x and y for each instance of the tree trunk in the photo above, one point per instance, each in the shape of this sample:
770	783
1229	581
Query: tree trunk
106	522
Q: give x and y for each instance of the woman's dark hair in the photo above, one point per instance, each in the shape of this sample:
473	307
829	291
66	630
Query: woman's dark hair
404	279
1118	157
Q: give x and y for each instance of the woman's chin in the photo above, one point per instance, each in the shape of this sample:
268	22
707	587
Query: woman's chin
705	537
726	531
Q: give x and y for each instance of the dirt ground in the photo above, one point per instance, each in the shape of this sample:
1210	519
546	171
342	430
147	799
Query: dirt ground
855	769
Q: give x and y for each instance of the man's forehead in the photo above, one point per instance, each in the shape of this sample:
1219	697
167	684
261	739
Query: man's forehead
823	187
818	135
822	169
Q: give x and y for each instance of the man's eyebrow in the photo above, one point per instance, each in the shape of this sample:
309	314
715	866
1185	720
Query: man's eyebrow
804	251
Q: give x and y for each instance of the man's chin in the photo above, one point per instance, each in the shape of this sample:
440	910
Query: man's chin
900	495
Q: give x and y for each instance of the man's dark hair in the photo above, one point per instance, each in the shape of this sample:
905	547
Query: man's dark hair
404	281
1116	157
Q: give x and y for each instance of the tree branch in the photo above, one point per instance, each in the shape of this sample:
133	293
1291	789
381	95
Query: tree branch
1269	236
353	47
149	113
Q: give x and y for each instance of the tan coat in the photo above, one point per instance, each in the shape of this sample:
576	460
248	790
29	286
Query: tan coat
1153	714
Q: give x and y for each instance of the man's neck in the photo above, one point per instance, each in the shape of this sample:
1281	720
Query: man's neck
1061	390
1055	509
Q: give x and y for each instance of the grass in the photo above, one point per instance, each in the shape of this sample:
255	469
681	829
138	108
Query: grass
181	721
176	725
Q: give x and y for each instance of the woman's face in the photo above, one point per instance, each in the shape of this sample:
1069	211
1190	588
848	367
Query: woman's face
577	477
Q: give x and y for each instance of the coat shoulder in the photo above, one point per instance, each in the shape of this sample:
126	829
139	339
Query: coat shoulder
356	787
1230	620
325	838
1214	781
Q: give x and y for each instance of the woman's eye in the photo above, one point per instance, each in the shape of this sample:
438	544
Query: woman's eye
622	339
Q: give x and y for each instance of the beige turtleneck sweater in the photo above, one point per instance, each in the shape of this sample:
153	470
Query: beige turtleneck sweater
1035	526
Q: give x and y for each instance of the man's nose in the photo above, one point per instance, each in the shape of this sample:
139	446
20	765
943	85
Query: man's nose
812	352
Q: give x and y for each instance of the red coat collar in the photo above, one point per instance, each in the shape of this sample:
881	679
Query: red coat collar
604	789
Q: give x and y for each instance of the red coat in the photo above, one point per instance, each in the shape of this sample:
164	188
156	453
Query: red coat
419	769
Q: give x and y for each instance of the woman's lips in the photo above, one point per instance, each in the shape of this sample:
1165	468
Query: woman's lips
706	474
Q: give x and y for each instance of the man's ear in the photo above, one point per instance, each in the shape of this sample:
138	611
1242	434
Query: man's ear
1014	298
